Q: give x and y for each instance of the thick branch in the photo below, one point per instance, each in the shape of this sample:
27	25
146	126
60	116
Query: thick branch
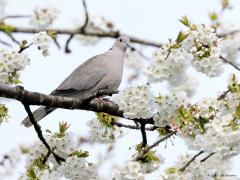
34	98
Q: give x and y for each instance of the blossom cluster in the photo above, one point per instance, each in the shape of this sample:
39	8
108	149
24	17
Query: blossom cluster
203	43
44	16
11	63
169	64
167	108
101	133
75	166
210	169
42	40
130	171
136	102
221	132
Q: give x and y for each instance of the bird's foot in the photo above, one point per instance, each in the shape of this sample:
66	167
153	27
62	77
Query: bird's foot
100	100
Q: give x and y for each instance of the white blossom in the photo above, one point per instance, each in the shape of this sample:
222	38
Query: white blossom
12	160
42	40
168	64
188	85
167	107
11	62
44	16
76	168
197	170
136	102
131	171
218	137
62	146
203	43
43	175
101	134
229	43
211	66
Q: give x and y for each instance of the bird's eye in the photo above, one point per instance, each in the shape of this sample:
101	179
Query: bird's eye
120	40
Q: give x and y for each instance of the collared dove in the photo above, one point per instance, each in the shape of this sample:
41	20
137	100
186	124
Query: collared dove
100	72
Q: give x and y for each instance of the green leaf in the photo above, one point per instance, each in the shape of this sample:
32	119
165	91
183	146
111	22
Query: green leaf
149	157
171	170
181	37
106	119
79	154
8	29
185	21
63	127
233	125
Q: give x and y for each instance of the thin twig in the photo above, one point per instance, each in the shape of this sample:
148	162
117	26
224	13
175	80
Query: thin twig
148	148
190	161
5	43
207	157
133	126
40	135
24	48
223	95
229	33
81	30
15	16
67	49
230	63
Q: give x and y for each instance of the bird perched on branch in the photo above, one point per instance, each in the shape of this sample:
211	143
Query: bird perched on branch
100	72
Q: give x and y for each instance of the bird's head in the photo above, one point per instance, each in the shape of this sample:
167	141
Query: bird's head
121	43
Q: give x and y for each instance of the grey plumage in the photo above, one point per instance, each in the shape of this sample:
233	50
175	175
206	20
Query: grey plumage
103	71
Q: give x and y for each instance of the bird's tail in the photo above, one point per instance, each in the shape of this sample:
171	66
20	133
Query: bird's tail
38	115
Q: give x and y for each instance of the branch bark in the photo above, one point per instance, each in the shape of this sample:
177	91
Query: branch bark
90	104
133	39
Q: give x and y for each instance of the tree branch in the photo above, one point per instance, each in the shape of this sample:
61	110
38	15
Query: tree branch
94	34
207	157
134	127
148	148
81	30
90	104
230	63
144	135
190	161
40	135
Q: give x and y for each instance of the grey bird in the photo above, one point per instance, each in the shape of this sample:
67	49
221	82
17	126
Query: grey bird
103	71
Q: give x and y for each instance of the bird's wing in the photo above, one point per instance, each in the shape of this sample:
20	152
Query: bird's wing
84	77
